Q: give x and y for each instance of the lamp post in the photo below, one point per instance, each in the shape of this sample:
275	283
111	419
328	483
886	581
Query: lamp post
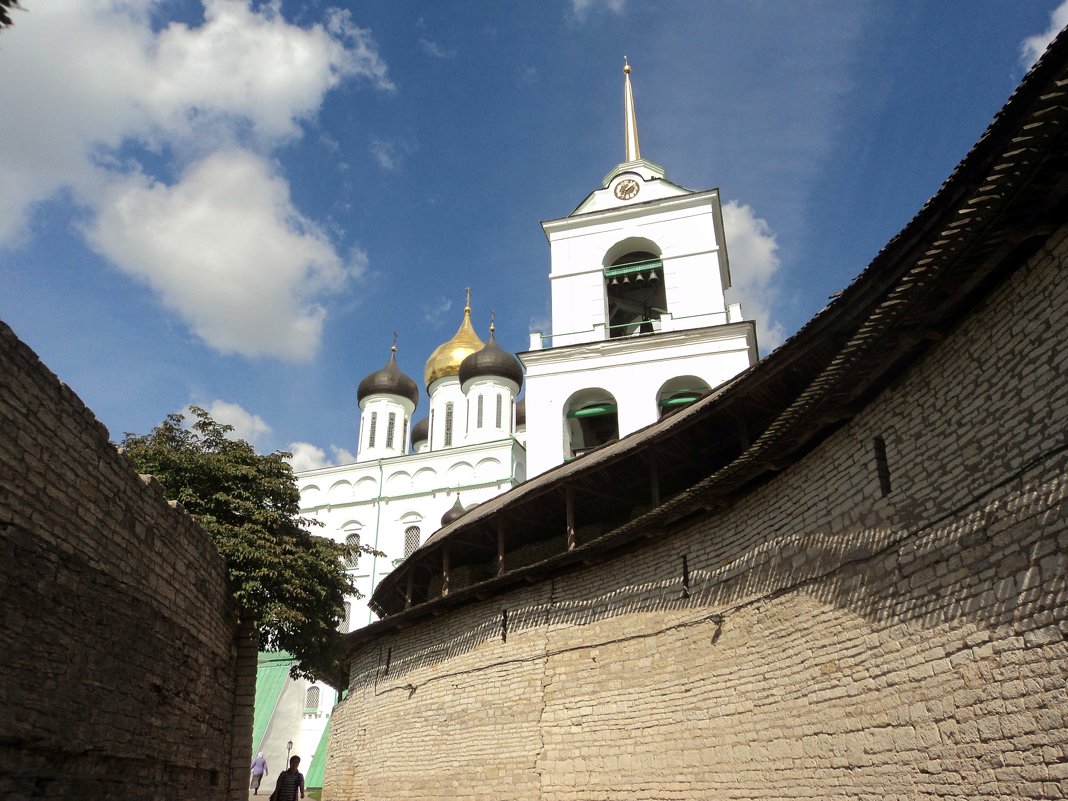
289	747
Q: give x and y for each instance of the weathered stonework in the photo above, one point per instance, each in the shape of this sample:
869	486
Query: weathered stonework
117	643
831	640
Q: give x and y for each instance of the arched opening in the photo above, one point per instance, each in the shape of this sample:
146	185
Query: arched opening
634	288
311	701
590	420
679	392
411	540
352	530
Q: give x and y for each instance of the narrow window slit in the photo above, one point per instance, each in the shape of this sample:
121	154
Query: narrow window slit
881	465
685	577
504	625
389	658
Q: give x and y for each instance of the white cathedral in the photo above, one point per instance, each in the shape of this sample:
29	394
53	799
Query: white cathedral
641	326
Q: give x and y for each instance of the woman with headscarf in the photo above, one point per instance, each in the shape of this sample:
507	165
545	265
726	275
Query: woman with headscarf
259	768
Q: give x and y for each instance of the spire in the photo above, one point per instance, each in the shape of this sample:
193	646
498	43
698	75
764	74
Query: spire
631	119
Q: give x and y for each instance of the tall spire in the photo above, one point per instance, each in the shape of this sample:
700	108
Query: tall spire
633	154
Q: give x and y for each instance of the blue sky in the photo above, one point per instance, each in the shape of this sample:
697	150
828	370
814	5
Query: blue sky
235	204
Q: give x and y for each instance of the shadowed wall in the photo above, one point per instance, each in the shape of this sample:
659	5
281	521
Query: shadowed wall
117	647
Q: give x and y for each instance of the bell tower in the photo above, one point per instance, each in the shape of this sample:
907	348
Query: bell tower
640	323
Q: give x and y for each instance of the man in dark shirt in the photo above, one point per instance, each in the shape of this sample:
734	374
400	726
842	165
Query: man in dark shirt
289	781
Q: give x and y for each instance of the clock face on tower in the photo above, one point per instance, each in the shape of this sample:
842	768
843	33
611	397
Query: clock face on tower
627	189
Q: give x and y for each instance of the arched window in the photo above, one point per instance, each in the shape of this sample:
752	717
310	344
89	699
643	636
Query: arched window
448	425
591	419
391	429
352	538
478	422
500	404
634	289
311	700
404	436
374	425
680	391
346	621
411	540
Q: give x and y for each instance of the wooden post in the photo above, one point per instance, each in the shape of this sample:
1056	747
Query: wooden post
410	586
445	570
500	545
570	499
654	481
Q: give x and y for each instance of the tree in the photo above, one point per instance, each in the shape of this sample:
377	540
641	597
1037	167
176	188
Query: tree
5	12
288	583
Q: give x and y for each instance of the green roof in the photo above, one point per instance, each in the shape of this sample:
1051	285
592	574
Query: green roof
317	768
272	670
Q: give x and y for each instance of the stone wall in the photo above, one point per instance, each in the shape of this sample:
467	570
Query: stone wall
854	628
117	643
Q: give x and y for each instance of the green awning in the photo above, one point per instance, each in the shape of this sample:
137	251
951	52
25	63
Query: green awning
317	768
680	400
634	267
272	670
594	411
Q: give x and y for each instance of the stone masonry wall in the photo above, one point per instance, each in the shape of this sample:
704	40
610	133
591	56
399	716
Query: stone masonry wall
835	642
117	644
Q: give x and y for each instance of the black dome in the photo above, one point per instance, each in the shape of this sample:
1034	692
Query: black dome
521	413
455	512
388	381
421	431
491	361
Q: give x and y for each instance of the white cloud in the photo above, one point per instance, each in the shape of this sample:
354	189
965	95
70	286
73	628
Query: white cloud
307	456
93	77
311	457
342	456
247	426
390	155
432	48
581	8
754	260
433	313
1034	46
252	66
225	248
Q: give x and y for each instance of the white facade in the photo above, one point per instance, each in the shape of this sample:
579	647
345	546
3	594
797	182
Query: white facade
394	504
640	320
384	424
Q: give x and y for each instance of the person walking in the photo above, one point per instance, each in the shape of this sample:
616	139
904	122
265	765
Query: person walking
259	770
289	781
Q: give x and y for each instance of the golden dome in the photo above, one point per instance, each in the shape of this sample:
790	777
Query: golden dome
446	358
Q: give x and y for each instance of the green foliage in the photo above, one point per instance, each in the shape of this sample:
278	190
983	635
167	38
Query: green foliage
5	8
290	583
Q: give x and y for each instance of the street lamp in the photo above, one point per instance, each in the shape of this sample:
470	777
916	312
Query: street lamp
289	747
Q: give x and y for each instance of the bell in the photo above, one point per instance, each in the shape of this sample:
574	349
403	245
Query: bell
653	276
626	279
614	281
639	279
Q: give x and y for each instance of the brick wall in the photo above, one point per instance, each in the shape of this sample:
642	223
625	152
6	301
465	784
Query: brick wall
835	642
117	644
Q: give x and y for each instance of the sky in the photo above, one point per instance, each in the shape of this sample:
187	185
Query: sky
236	204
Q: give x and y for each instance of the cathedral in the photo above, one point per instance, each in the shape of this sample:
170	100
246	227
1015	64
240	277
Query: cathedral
640	327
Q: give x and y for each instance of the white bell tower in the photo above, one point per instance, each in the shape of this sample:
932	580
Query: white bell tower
640	322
